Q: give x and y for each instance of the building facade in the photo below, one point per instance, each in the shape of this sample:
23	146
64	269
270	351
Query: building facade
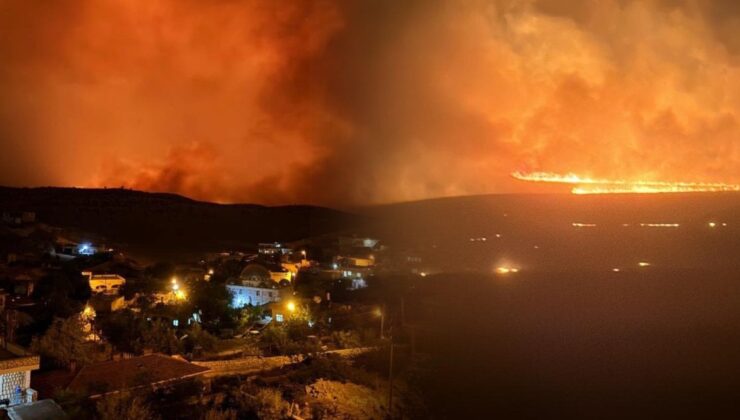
243	295
105	283
16	365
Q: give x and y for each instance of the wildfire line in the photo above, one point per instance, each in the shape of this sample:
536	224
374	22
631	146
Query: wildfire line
586	185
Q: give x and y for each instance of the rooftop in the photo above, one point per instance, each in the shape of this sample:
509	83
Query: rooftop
106	377
14	358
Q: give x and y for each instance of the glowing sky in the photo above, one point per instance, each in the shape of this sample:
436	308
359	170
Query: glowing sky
346	102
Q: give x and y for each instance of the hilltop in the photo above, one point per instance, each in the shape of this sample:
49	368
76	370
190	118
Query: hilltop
169	222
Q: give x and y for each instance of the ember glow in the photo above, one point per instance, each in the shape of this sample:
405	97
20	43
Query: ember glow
586	185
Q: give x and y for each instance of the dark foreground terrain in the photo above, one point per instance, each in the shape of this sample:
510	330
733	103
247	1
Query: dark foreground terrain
169	224
582	330
622	306
658	344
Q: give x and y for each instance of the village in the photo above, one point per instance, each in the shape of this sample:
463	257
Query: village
305	329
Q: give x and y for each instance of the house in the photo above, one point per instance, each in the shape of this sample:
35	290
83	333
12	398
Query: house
274	248
104	283
257	272
16	364
18	218
66	250
255	294
24	280
281	276
357	242
357	261
357	276
152	370
282	311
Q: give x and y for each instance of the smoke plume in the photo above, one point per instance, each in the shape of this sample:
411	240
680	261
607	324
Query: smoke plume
341	102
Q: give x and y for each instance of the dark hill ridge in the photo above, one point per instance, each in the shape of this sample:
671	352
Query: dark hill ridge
159	220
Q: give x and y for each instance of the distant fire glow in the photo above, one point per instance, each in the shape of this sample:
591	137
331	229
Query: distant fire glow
580	225
586	185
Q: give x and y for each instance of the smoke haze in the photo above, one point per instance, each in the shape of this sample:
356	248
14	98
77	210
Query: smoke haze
339	103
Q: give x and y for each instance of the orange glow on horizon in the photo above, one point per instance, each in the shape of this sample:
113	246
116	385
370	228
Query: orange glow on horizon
587	185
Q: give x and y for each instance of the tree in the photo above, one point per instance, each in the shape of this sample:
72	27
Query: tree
269	404
65	342
213	300
346	339
159	337
197	337
122	329
63	292
153	279
275	340
214	414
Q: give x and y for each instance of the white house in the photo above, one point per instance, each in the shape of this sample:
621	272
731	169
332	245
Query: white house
104	283
16	365
243	295
274	248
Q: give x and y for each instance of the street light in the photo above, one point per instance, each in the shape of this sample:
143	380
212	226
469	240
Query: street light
179	294
290	306
380	313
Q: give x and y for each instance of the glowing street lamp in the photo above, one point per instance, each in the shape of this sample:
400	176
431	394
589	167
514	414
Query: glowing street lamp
381	314
179	293
290	306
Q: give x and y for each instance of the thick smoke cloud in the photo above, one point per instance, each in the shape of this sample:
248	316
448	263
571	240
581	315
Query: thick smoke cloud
341	103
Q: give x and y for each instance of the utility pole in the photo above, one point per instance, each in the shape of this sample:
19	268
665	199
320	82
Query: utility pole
403	312
382	322
390	382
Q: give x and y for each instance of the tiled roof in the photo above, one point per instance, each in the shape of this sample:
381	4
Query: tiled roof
102	378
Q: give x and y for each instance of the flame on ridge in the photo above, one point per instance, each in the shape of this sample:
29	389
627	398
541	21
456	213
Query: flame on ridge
586	185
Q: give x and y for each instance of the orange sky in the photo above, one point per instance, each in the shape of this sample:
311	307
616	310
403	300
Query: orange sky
337	102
